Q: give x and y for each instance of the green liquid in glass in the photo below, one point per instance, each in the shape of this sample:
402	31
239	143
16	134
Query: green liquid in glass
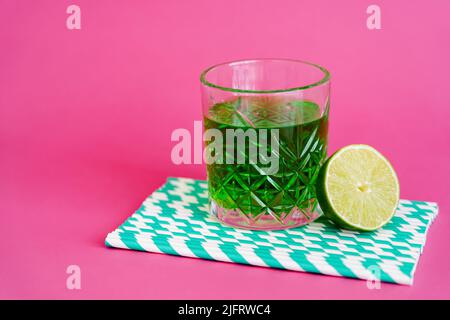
302	144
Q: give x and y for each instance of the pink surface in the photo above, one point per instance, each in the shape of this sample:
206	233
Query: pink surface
86	117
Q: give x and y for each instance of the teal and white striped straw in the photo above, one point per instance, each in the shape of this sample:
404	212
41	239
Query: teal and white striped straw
175	220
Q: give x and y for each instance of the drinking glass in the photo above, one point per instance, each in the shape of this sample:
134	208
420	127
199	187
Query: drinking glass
265	134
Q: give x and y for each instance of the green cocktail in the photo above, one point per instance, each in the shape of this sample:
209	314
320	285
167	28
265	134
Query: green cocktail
283	197
266	127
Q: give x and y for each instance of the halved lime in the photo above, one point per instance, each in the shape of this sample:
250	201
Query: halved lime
358	189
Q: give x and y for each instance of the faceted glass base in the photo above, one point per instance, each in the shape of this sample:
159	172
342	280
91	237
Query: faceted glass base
263	221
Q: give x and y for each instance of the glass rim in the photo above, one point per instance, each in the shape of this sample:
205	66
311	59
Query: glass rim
325	78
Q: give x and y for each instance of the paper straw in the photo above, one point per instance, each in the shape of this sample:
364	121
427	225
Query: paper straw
282	259
175	220
388	237
411	235
300	242
244	248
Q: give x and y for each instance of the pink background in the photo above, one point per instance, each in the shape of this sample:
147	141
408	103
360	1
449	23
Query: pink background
86	117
